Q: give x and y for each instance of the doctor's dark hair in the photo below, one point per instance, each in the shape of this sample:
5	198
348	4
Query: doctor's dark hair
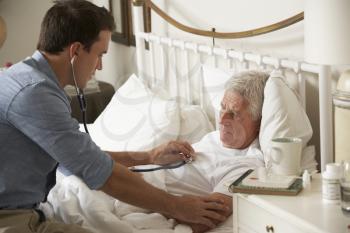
69	21
250	85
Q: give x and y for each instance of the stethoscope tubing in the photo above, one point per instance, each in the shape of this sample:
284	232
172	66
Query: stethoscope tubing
168	166
80	95
82	104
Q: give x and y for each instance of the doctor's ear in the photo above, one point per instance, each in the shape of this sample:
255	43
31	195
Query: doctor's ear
74	49
72	60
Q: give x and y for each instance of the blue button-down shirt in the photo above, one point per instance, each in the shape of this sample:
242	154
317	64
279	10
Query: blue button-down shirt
37	132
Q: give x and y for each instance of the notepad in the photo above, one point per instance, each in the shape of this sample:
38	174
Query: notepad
271	181
277	187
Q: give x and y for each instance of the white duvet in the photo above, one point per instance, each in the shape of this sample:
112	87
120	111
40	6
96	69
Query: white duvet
71	201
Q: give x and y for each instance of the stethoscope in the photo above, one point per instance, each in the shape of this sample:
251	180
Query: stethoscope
188	159
80	96
82	105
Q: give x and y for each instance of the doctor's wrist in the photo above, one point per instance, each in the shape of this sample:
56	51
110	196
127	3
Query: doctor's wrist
172	206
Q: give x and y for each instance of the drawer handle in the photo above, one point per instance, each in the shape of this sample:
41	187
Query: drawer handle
269	228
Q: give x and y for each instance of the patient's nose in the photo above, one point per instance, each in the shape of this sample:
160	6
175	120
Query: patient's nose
224	116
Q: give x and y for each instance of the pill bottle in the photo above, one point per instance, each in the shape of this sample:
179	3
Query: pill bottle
331	183
306	180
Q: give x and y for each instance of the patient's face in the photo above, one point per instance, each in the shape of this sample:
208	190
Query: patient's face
237	128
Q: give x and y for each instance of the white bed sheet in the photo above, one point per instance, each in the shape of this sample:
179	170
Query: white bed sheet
71	201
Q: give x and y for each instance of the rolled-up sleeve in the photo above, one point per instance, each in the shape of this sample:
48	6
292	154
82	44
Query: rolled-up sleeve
42	113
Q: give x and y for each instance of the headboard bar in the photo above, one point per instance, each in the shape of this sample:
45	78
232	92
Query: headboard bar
258	59
302	89
189	97
275	62
245	58
205	49
326	117
153	77
223	35
236	54
310	68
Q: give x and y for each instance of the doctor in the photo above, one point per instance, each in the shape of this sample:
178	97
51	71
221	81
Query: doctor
37	131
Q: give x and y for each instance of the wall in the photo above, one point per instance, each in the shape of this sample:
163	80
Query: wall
23	25
235	15
23	19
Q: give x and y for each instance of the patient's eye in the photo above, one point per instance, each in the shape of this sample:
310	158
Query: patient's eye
226	110
230	113
222	106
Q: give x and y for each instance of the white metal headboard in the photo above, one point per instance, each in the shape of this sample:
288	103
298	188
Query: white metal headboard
229	55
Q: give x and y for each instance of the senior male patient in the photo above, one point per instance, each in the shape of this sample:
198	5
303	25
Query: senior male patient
224	155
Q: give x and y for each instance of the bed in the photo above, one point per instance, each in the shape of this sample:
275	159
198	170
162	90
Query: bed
176	94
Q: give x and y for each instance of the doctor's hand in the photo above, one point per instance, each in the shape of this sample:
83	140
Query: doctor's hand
171	152
207	211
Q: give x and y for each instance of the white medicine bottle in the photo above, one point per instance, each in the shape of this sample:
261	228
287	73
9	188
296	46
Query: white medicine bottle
331	183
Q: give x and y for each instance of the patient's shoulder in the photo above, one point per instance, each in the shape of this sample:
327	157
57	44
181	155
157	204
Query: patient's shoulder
209	139
255	143
254	150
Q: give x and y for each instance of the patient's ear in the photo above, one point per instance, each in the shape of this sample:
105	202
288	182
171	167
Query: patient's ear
258	125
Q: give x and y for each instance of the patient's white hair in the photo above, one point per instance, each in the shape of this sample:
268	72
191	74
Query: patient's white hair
250	85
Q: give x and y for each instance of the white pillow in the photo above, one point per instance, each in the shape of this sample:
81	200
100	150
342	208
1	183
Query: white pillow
136	119
282	113
214	80
194	124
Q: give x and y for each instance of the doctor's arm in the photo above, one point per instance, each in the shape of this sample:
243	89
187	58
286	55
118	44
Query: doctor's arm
166	153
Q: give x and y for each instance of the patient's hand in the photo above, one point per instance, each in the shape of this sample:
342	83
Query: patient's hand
171	152
198	228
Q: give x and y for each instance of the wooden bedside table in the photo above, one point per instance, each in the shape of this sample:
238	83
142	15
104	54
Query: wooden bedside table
304	213
96	102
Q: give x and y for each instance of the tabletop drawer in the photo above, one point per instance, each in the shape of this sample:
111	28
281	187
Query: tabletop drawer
252	218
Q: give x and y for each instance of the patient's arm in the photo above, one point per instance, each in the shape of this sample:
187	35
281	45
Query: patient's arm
198	228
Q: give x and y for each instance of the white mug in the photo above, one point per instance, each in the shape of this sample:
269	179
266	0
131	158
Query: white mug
284	156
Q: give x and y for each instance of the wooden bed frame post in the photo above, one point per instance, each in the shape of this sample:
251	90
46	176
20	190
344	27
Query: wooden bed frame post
138	28
326	115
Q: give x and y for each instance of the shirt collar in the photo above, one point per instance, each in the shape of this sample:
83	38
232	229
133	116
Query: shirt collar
44	66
